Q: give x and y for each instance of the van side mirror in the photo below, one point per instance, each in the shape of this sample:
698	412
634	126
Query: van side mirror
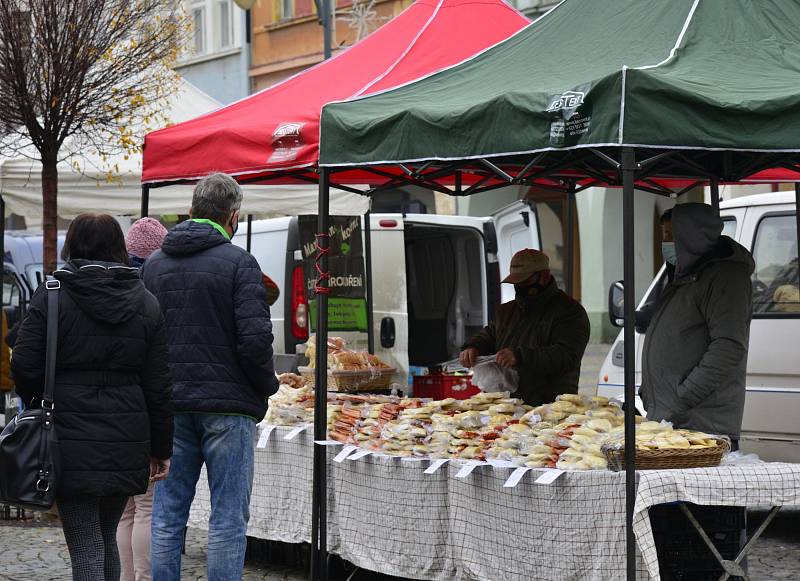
616	304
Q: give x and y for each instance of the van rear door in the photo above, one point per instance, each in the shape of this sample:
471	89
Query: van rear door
390	303
517	228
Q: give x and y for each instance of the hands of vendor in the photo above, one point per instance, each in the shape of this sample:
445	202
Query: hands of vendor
468	357
506	358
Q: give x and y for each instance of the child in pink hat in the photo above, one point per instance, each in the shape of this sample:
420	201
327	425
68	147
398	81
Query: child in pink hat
133	532
144	238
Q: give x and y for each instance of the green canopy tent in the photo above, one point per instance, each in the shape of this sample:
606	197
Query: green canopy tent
643	94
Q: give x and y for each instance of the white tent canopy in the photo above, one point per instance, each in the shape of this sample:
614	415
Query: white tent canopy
90	190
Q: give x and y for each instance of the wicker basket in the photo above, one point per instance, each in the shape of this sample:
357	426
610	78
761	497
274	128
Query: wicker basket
368	380
666	459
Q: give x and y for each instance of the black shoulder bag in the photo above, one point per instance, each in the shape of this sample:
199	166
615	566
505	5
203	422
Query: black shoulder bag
29	466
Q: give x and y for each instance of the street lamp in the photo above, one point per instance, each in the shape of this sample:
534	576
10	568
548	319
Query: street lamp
245	4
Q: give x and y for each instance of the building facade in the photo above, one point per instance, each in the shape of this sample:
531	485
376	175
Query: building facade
287	37
218	58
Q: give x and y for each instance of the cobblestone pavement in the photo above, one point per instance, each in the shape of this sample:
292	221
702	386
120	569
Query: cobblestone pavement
29	553
38	553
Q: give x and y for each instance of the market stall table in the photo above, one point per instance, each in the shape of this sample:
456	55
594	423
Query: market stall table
386	514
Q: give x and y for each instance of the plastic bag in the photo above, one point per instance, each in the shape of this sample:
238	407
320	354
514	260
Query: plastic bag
739	459
490	377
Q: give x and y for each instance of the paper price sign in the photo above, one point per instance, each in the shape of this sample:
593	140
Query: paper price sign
549	477
515	477
346	451
264	438
360	454
295	432
467	469
435	465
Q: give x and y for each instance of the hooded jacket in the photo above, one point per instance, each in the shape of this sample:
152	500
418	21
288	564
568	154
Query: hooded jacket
218	322
548	337
112	392
694	361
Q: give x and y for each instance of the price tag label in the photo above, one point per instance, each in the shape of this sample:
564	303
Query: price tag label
360	454
346	451
515	477
327	443
264	437
501	464
295	432
550	476
467	468
435	465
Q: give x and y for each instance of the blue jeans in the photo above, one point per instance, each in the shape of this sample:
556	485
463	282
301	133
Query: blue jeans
226	445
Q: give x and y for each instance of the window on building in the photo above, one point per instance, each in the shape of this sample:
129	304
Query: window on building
224	23
214	26
287	9
776	287
198	15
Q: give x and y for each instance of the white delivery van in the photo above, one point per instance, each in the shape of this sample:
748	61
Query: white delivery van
22	274
22	269
765	224
435	279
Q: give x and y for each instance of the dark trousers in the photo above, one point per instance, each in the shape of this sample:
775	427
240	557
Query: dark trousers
90	528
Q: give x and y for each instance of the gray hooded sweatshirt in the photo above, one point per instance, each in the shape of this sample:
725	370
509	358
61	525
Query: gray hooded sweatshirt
695	350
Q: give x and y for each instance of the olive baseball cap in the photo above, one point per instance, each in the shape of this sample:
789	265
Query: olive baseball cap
525	264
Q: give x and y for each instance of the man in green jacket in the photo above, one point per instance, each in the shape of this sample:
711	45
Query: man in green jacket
542	333
694	360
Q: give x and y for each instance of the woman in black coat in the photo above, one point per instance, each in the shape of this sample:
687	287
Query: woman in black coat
113	411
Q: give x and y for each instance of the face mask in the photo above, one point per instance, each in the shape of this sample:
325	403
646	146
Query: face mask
234	227
528	291
669	252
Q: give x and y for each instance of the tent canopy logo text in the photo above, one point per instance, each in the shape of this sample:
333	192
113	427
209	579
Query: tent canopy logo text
567	100
287	141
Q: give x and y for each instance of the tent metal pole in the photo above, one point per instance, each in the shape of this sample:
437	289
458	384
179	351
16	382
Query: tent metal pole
145	201
326	28
3	228
319	509
3	255
715	195
628	168
368	288
319	549
569	275
249	232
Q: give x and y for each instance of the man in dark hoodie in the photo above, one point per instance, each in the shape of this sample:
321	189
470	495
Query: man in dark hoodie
697	329
220	341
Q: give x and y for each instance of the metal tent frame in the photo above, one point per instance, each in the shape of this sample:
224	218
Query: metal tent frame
661	171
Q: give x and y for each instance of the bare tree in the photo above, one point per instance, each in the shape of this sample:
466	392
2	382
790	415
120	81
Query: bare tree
89	72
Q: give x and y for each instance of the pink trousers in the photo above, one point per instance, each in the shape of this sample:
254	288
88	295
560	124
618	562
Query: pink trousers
133	537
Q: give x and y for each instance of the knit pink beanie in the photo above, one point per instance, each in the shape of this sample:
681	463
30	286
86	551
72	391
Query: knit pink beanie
145	237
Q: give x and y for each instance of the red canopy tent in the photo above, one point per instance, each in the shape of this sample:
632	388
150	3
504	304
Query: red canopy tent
275	133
